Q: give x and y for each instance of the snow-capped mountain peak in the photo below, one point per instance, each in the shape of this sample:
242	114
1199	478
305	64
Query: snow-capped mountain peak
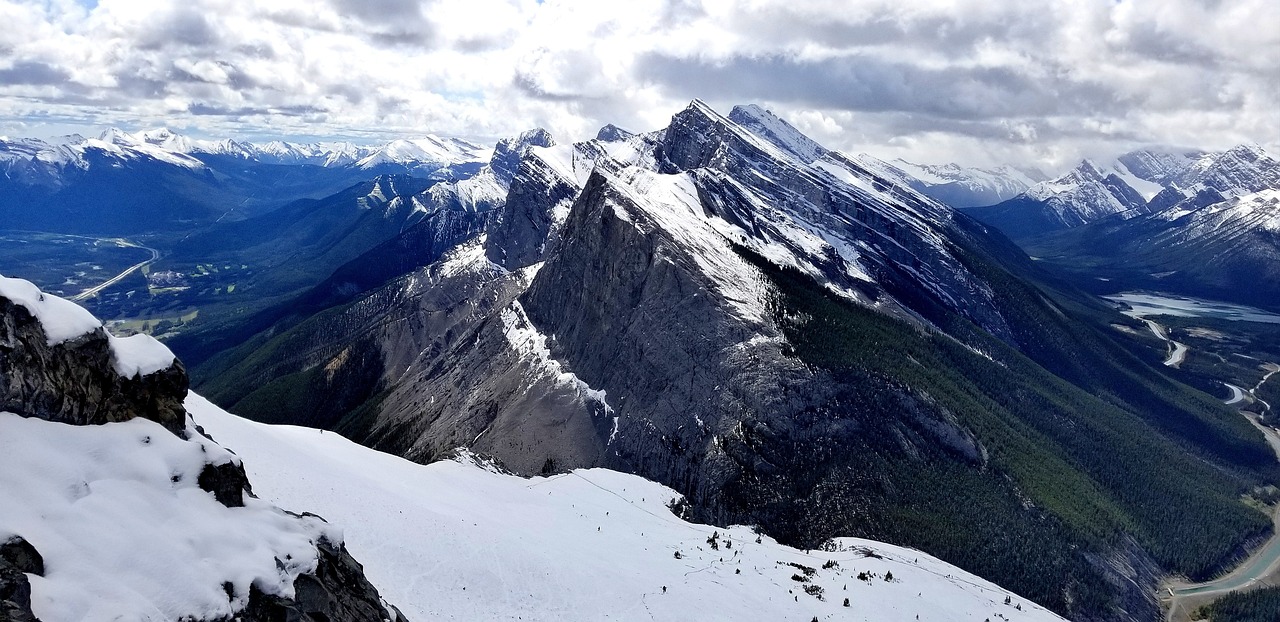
777	131
1240	170
956	185
427	152
612	133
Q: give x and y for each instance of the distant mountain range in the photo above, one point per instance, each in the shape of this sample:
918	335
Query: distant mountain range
421	155
122	183
956	185
1136	183
1196	223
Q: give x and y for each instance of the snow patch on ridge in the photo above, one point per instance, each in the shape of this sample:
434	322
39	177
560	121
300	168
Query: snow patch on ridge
139	355
529	343
467	258
781	134
585	545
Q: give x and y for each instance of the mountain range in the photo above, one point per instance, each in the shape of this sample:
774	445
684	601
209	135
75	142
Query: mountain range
155	180
767	331
1200	224
785	336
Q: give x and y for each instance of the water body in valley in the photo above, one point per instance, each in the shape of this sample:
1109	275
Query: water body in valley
1145	304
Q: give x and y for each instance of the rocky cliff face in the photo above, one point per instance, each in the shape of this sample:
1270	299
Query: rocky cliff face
599	347
76	382
780	333
51	374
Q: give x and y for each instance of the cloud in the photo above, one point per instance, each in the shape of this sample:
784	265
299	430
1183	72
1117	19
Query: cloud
871	84
29	72
980	81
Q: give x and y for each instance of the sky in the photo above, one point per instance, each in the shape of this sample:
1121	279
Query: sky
979	82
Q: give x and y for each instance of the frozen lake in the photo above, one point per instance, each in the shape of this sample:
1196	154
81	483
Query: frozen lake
1148	303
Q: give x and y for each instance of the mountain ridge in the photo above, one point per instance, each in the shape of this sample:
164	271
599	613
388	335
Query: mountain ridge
640	302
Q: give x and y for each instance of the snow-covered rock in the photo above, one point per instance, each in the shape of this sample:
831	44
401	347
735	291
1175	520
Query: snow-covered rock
115	506
84	375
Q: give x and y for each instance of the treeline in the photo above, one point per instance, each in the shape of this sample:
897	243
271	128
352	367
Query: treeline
1256	606
1061	472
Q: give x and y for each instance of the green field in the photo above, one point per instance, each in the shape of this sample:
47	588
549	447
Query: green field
64	264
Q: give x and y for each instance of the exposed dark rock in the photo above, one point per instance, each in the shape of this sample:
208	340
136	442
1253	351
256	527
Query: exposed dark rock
18	552
506	155
227	482
1165	199
611	133
17	558
75	381
519	238
336	592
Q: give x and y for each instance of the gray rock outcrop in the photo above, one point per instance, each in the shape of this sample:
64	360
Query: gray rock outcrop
75	382
17	559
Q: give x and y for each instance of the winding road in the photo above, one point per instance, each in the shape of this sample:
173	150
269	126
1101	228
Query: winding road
1237	394
93	291
1184	598
1179	352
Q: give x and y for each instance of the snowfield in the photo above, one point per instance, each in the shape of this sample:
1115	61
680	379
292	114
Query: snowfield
455	540
127	534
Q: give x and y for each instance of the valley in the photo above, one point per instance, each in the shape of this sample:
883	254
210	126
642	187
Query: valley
784	336
1236	349
1261	569
72	265
860	311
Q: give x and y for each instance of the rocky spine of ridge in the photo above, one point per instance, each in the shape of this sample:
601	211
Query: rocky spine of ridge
75	382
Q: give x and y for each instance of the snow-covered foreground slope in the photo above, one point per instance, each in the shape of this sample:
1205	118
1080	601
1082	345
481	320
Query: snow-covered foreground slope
455	541
114	506
125	531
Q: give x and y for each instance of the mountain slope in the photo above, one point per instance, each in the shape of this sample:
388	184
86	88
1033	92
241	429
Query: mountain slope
585	545
429	223
1211	232
1207	245
788	339
115	505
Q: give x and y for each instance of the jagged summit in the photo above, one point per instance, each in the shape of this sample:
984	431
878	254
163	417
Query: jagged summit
777	131
612	133
509	151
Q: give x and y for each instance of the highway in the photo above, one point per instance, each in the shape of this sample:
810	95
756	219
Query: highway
1263	562
93	291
